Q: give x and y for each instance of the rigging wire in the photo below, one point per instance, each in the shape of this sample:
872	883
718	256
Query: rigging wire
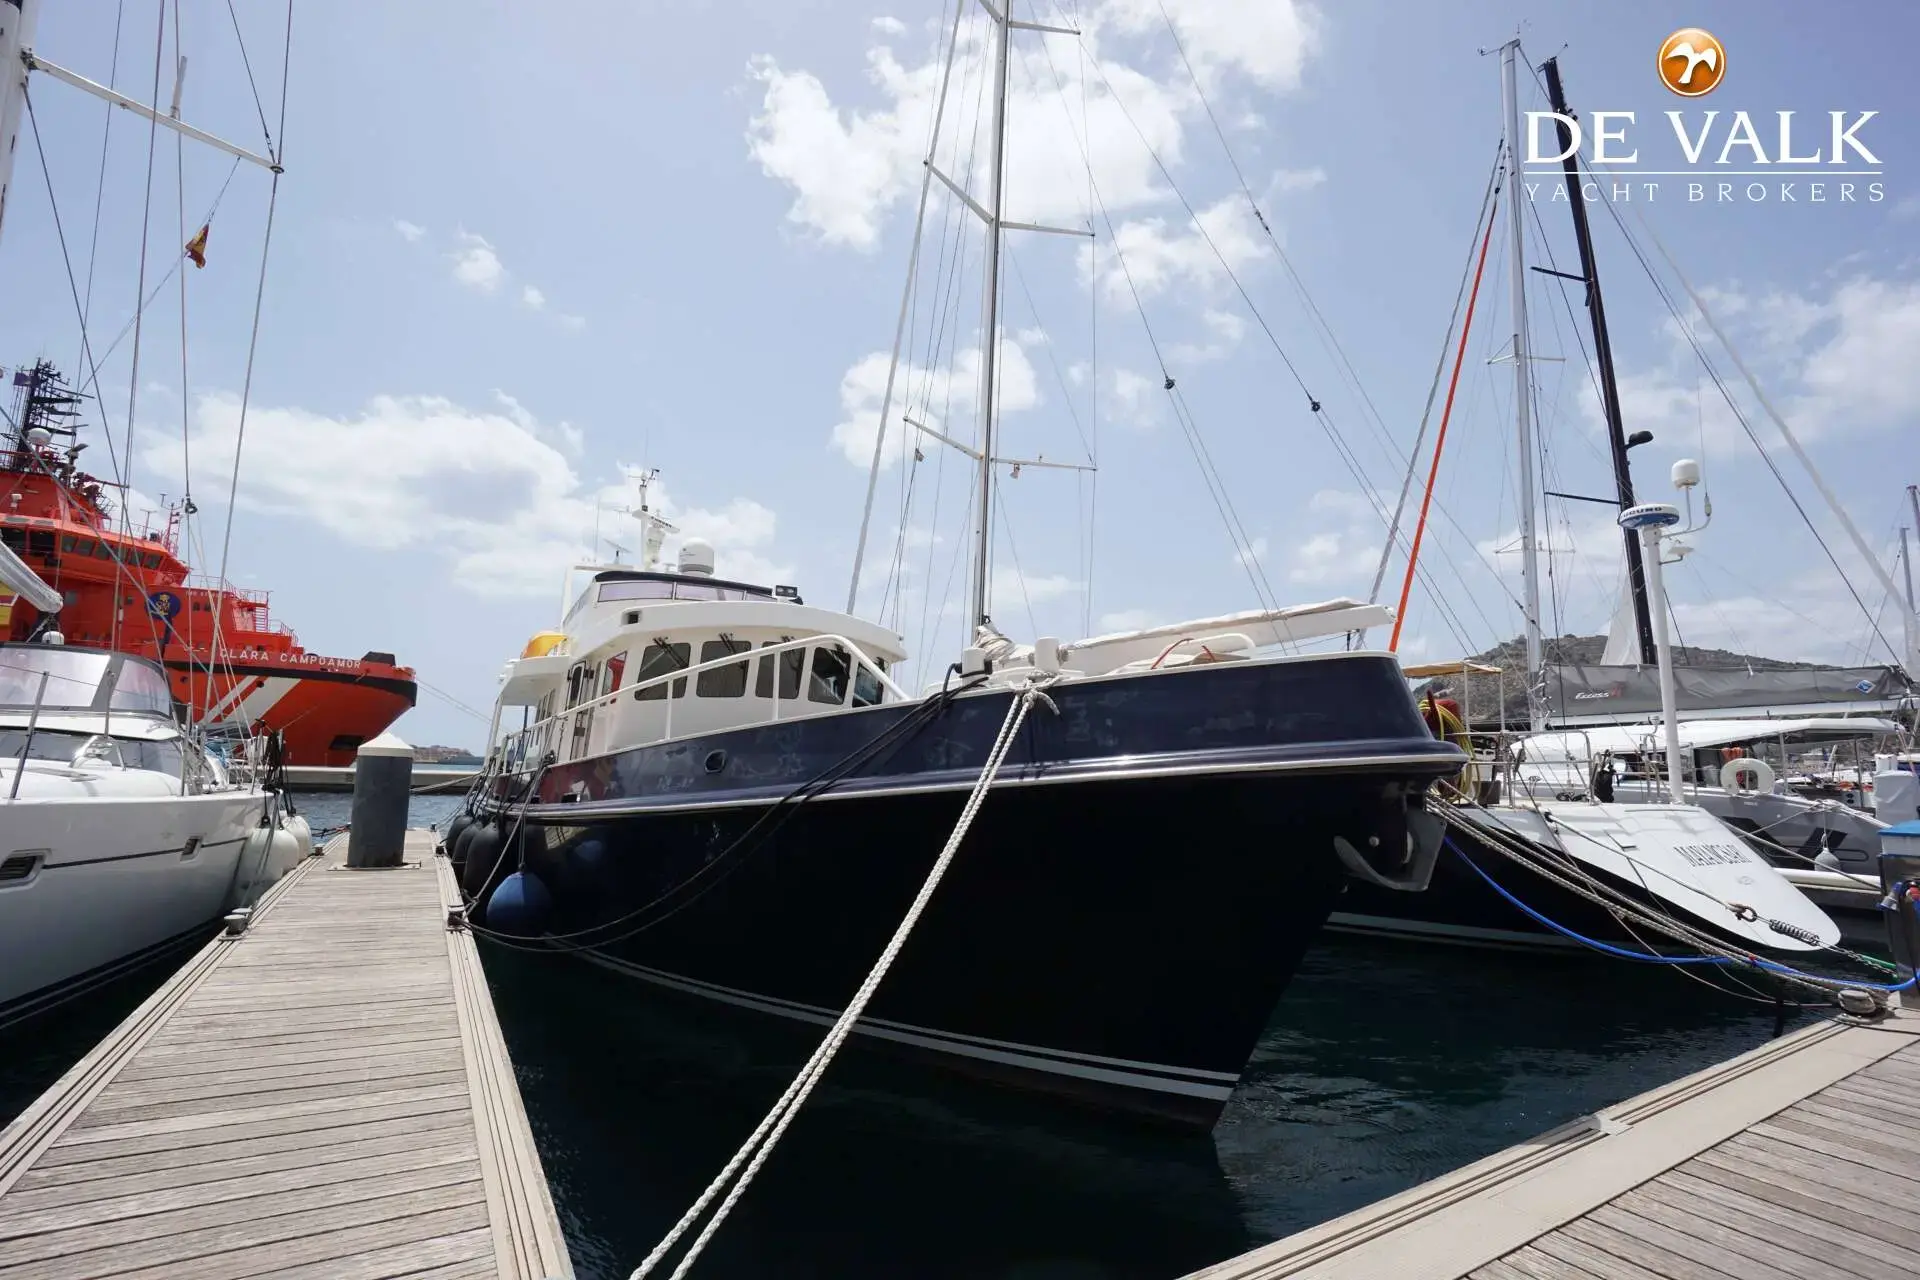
906	302
1433	388
253	337
1013	553
1440	439
146	217
247	63
1685	326
180	212
100	183
1215	487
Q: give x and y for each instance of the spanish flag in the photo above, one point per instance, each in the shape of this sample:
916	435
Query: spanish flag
197	247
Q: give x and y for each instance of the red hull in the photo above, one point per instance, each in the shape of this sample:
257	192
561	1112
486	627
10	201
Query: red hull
324	714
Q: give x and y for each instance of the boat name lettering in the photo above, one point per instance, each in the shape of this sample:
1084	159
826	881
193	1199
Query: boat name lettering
1711	855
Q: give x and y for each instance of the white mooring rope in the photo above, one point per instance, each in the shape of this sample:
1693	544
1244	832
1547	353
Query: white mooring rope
753	1153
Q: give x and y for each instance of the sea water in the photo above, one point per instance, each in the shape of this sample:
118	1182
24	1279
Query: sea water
1384	1065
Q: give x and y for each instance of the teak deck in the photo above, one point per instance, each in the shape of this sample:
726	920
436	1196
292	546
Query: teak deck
327	1095
1797	1161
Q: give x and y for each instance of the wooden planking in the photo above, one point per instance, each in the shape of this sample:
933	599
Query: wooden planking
1812	1193
328	1095
1796	1161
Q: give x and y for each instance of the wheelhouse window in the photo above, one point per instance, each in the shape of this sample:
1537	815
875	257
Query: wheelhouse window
72	676
658	660
792	664
867	690
830	672
141	688
729	681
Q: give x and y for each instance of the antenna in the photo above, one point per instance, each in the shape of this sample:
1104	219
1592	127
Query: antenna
653	529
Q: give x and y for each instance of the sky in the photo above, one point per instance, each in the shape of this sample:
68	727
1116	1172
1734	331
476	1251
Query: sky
518	253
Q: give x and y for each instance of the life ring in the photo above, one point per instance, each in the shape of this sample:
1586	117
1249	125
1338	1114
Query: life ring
1731	772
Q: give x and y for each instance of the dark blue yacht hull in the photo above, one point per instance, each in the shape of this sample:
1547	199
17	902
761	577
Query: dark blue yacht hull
1124	914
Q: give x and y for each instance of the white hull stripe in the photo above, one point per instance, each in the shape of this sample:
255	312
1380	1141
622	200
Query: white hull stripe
1462	934
1180	1080
235	691
254	707
872	789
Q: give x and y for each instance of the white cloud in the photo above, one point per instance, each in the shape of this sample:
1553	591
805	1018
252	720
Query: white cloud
532	298
848	167
1269	43
887	26
475	263
412	233
1865	373
1159	256
1136	398
564	434
1345	549
1835	363
1224	329
1299	179
1011	588
742	536
863	387
490	494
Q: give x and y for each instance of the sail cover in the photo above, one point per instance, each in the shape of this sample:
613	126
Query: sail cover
18	577
1578	694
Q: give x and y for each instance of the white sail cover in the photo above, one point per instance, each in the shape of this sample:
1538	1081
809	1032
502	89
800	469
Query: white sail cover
17	577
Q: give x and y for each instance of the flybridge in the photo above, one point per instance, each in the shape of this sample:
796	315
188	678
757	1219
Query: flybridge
1737	140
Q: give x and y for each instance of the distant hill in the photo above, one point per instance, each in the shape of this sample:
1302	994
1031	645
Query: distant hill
1483	696
1585	651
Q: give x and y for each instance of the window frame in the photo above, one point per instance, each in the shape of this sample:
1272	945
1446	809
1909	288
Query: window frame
679	652
729	681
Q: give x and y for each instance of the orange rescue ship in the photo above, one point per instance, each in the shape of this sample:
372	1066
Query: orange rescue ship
232	665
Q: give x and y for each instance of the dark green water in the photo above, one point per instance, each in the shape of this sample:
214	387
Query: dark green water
1383	1066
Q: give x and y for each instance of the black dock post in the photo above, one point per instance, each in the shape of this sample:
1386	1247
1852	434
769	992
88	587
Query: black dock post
382	787
1900	880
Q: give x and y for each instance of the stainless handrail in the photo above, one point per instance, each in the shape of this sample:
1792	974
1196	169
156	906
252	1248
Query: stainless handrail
26	745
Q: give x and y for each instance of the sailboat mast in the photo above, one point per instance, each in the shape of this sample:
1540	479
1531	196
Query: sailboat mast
1603	357
1522	399
16	34
990	322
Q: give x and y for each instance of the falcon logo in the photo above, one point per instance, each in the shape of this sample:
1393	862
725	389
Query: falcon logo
1692	62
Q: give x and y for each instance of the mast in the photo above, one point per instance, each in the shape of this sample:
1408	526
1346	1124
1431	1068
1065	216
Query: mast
1913	617
990	322
16	34
1603	355
1522	409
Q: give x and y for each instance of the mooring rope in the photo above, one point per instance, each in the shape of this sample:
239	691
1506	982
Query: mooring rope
754	1152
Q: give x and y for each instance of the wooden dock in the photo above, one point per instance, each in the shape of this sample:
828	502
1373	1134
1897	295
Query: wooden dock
1797	1161
326	1095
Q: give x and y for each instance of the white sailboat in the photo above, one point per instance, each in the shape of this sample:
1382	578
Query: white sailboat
1671	857
122	837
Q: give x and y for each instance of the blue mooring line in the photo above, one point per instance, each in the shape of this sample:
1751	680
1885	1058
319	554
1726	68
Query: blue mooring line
1625	953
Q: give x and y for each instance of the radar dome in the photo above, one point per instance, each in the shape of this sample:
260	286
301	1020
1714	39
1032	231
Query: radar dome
696	557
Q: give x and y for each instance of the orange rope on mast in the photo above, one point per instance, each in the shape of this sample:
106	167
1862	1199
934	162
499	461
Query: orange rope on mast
1440	440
